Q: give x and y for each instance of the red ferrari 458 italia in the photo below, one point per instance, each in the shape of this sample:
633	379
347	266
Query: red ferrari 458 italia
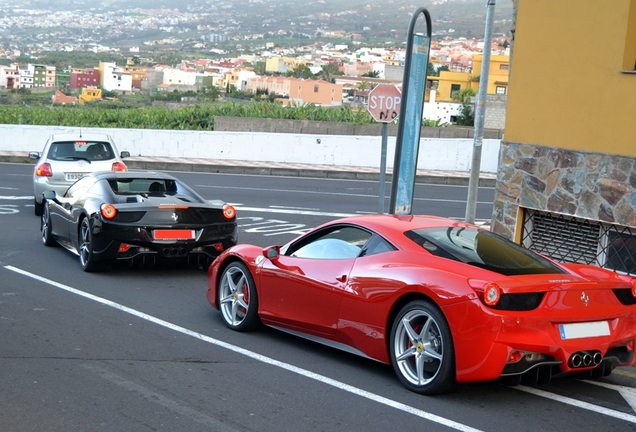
443	301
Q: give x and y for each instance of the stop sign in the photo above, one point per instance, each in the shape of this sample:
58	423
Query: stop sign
384	103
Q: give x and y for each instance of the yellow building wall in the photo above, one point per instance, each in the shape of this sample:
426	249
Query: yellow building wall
445	81
497	73
566	86
272	64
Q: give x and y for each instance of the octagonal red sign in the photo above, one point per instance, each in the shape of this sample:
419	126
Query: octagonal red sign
384	103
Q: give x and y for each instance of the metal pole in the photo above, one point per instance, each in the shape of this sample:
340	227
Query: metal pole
385	134
480	111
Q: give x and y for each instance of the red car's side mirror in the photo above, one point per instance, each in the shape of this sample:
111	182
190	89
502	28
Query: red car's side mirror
271	252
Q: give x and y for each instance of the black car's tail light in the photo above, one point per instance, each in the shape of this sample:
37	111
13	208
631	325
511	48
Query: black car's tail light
44	170
108	211
229	212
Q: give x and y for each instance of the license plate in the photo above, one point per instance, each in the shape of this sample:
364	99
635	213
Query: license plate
74	176
170	234
584	330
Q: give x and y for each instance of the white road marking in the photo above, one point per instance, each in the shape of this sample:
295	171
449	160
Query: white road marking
16	198
296	208
305	192
255	356
578	403
8	209
628	393
8	188
295	212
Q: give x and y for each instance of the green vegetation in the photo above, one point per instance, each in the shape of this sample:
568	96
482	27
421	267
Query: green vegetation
198	117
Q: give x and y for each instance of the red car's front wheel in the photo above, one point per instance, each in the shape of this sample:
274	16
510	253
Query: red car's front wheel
238	300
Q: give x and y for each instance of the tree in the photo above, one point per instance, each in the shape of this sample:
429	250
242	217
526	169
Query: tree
371	74
466	116
328	72
300	70
259	68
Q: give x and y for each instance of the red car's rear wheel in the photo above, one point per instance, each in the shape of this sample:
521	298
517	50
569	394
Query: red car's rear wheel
422	349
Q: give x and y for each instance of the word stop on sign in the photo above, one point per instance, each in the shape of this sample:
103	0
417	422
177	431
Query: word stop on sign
385	107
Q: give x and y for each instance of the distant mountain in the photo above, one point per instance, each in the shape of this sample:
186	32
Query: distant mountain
379	18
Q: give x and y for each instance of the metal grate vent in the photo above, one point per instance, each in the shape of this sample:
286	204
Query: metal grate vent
574	240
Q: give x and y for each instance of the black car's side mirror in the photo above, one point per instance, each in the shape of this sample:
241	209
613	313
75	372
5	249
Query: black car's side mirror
49	195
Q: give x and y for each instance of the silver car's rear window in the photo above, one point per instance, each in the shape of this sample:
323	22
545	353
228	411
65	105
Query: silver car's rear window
76	150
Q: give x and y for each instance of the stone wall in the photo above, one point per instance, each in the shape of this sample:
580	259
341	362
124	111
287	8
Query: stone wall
593	186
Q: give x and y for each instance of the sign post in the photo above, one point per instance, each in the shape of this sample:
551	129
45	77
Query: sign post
407	142
384	106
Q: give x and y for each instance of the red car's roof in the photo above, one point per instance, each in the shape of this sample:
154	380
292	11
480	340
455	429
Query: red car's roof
394	225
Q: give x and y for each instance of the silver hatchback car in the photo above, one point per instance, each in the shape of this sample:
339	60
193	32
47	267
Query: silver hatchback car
67	157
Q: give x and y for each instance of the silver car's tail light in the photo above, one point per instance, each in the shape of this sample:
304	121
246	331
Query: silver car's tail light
44	170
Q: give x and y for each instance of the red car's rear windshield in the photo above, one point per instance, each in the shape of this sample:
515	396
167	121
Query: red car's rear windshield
482	249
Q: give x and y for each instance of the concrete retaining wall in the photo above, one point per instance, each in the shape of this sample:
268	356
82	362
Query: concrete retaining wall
327	143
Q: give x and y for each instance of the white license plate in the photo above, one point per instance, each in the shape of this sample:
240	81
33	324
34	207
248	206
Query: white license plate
74	176
584	330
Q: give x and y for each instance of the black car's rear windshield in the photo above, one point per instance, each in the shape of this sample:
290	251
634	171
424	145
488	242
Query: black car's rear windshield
481	249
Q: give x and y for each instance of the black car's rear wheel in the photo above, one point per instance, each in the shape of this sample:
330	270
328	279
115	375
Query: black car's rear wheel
86	254
238	299
45	226
422	350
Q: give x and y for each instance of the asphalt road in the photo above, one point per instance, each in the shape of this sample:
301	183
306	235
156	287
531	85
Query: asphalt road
141	349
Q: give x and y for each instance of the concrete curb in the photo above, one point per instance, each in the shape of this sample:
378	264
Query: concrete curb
280	169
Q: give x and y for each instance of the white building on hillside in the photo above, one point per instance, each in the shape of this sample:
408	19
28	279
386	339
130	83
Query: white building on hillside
114	78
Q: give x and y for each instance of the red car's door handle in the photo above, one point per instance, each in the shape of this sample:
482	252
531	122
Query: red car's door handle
342	278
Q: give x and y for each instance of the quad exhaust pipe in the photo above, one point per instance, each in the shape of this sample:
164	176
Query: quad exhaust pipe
174	252
582	359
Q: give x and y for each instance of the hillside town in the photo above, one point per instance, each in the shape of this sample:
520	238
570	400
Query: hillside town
353	72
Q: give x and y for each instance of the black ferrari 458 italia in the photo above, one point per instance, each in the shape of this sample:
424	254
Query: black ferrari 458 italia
136	217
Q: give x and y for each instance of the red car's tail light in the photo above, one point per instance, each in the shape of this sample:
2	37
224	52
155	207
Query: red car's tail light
44	170
492	294
118	166
108	211
634	287
228	211
515	356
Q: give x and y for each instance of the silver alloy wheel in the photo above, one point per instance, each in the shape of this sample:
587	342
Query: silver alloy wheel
418	347
85	246
46	226
234	295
